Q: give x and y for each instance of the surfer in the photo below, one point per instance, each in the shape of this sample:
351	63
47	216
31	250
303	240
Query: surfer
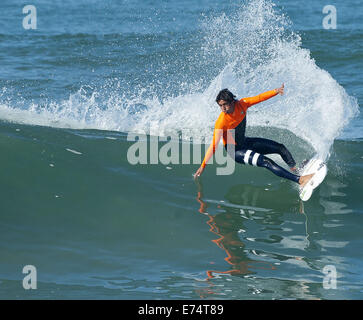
231	127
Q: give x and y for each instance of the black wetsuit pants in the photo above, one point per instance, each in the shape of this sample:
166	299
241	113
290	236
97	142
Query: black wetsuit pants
253	151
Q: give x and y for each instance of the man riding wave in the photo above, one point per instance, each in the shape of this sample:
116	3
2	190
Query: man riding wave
231	127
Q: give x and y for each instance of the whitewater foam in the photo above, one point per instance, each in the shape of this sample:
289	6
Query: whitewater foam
249	51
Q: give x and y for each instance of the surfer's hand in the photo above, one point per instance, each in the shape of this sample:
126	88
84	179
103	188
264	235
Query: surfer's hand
281	89
198	173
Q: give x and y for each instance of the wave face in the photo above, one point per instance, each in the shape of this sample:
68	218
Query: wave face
250	49
96	226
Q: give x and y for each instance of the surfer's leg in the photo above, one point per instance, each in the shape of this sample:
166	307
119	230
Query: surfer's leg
256	159
276	169
266	146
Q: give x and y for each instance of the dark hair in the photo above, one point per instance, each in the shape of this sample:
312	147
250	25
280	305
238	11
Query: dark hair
225	95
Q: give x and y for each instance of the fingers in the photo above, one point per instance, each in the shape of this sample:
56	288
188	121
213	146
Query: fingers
282	89
198	173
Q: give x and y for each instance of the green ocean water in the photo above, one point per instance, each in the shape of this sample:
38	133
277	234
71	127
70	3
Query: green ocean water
93	74
96	226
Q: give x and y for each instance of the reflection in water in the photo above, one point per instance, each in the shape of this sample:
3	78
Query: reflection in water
294	241
226	226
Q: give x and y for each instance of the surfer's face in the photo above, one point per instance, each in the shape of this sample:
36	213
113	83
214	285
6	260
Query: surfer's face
226	107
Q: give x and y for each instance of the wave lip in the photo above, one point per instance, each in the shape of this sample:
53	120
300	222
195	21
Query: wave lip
251	50
262	52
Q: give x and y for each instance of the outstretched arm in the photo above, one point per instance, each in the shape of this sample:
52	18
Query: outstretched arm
212	148
263	96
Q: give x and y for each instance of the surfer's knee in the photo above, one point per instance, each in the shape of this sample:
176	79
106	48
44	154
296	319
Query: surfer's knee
282	148
286	155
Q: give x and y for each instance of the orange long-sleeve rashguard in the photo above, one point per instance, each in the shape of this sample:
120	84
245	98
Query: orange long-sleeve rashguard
226	122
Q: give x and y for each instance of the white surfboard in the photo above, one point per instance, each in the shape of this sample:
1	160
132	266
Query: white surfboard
317	166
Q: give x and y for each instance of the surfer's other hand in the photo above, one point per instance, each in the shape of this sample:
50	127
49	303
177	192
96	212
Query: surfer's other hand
281	89
198	172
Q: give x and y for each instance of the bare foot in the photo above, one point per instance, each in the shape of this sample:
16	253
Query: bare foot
305	179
